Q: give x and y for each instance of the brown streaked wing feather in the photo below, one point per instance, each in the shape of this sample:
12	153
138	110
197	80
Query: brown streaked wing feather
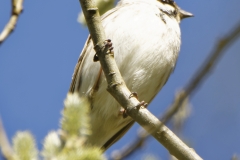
74	86
78	67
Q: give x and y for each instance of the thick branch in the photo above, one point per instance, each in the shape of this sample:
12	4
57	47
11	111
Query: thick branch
16	11
199	77
118	89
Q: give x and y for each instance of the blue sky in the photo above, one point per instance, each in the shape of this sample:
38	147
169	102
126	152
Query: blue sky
38	59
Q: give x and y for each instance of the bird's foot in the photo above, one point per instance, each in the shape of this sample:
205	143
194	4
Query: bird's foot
107	43
123	113
142	103
133	94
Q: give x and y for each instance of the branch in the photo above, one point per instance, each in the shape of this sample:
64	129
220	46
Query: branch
118	89
16	11
4	143
199	77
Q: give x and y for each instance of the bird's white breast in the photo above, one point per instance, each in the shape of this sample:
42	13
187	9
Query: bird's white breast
145	49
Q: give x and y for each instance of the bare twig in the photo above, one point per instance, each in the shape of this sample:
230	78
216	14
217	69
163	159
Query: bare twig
16	11
200	75
4	143
118	89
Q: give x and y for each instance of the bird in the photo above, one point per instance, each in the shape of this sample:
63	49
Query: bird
146	38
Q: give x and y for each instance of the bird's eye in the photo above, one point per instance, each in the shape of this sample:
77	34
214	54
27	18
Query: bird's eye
168	1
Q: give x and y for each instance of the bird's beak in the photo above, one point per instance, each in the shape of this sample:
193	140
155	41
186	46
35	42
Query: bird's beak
184	14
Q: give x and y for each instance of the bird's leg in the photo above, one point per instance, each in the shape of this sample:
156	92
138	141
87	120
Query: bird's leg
142	103
108	44
123	112
133	94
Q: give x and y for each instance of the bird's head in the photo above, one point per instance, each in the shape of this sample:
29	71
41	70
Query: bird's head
171	8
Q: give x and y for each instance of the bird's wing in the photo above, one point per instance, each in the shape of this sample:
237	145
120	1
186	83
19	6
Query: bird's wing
76	78
78	67
117	136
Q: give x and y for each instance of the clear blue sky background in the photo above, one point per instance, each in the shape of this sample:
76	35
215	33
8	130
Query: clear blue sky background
38	59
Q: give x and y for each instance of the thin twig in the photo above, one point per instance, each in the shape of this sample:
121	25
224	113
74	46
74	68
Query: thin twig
118	89
199	77
16	11
4	143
